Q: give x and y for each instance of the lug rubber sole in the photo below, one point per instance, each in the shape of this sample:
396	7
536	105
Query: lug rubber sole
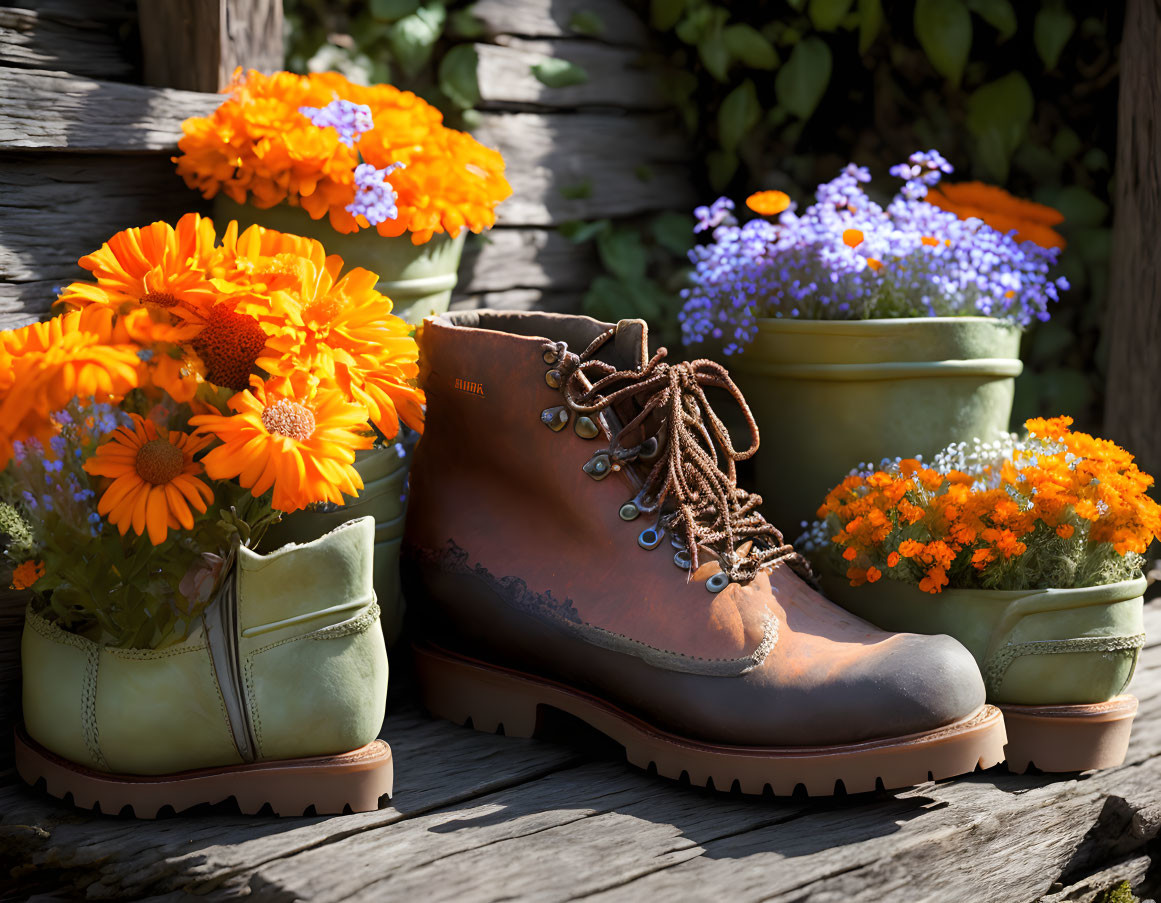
458	688
1067	738
352	781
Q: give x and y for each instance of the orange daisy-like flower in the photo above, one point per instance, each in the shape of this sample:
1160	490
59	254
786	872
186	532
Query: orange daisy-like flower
159	266
288	437
852	238
768	203
25	574
155	479
1000	210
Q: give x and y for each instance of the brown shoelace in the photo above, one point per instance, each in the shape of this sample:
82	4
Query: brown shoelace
696	497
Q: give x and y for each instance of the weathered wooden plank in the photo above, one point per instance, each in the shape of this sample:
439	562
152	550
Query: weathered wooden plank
615	77
554	19
67	37
503	259
54	110
520	299
587	166
57	207
216	37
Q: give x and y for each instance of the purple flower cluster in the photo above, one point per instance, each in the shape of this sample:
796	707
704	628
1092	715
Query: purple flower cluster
913	260
374	196
350	120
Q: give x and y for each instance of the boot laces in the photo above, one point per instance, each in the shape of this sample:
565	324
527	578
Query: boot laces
691	485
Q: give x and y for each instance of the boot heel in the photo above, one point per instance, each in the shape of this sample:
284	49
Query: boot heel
1066	738
491	700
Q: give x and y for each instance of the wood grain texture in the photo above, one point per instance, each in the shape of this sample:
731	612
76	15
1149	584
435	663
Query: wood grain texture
57	111
615	76
68	37
1133	324
479	817
552	18
611	165
505	258
217	36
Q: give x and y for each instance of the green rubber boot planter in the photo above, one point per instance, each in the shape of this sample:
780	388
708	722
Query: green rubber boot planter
418	278
384	473
1055	661
829	394
276	696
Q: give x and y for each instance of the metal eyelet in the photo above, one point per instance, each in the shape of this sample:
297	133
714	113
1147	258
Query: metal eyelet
598	467
676	541
649	450
551	357
650	537
552	377
682	560
585	428
554	418
717	582
629	511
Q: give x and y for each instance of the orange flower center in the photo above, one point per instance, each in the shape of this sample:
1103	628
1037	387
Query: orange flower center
321	311
289	418
159	461
229	345
159	299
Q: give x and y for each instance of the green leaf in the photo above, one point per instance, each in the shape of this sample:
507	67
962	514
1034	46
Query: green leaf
558	73
1080	207
870	23
577	192
390	10
998	114
663	14
738	114
579	231
997	13
413	37
801	83
747	44
721	166
457	75
673	231
715	56
826	14
463	23
1066	143
944	30
1053	27
623	253
1095	160
586	22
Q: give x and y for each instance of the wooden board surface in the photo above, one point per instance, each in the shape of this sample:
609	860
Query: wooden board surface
67	37
482	817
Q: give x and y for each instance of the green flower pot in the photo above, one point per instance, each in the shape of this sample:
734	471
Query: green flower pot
830	394
417	278
384	473
1056	661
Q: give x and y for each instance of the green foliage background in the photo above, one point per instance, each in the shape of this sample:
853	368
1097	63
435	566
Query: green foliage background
782	93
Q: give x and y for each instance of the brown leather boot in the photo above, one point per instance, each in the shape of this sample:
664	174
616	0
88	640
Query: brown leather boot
576	539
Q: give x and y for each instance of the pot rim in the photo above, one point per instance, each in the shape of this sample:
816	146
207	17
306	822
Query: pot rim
874	325
1090	595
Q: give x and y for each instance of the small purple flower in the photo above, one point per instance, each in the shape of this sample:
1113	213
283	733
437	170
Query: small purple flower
716	214
374	196
349	119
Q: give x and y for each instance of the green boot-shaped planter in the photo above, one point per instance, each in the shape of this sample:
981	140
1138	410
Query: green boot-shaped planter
276	696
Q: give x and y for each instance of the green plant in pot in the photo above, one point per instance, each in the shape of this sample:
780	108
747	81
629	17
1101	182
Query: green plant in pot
856	329
372	172
1029	552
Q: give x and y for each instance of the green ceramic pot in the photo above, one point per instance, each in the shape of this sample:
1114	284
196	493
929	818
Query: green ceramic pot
830	394
417	278
1034	647
384	473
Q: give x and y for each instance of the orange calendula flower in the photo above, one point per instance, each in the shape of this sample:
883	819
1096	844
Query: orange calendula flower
288	436
25	574
1000	210
1065	531
768	203
155	480
852	238
874	264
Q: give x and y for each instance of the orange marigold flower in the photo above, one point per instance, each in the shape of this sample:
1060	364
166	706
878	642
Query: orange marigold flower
892	559
873	574
155	479
909	548
852	238
850	554
768	203
287	436
929	241
874	264
935	580
1000	210
857	576
1065	531
25	574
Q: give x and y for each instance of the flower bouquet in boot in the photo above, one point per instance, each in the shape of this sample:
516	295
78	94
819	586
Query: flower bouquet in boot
1026	549
189	396
371	171
888	326
577	541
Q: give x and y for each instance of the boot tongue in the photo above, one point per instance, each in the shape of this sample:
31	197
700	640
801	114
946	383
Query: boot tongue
631	344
